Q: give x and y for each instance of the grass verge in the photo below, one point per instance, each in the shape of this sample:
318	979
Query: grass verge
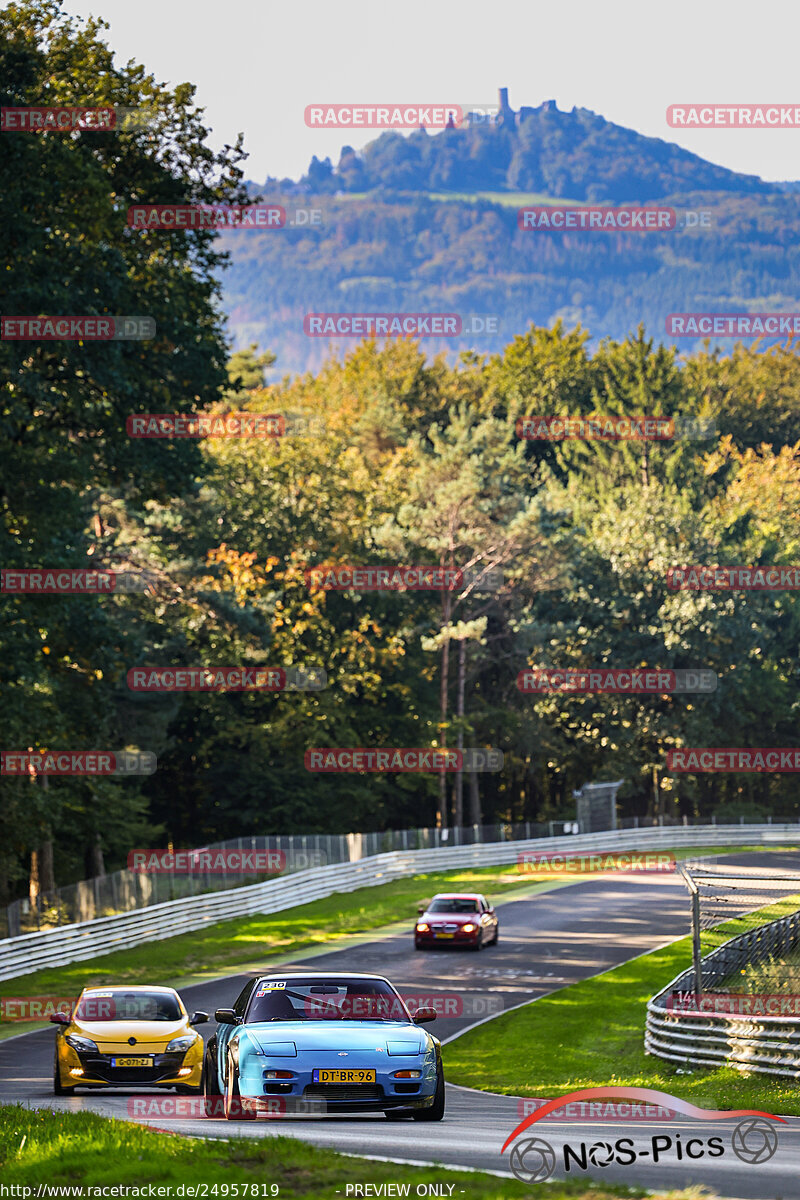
85	1149
592	1033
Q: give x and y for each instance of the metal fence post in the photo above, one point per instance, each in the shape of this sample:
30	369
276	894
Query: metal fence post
697	960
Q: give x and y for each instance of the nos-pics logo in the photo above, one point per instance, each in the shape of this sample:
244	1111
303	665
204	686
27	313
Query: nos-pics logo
533	1159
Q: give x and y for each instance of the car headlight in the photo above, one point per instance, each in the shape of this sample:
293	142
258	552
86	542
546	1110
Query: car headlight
423	927
183	1043
82	1044
469	927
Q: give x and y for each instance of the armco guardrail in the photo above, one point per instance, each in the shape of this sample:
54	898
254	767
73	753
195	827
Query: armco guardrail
90	939
764	1044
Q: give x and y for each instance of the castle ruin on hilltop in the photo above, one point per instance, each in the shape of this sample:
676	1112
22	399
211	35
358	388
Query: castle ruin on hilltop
506	114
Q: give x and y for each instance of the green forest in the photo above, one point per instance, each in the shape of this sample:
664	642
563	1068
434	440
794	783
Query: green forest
408	252
399	457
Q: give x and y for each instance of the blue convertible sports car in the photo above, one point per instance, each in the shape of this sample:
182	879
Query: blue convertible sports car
316	1042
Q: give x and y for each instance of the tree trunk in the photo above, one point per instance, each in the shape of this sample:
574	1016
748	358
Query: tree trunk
476	817
458	806
33	878
47	879
98	864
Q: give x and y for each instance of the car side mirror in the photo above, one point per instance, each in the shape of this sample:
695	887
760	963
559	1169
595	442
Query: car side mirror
226	1016
423	1015
421	909
59	1018
198	1018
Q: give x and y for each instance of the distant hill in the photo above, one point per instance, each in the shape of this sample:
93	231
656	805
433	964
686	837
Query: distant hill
576	155
428	223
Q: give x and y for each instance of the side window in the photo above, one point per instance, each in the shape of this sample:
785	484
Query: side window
484	904
243	997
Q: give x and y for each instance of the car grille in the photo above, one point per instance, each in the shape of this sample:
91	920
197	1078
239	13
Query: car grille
342	1092
444	928
98	1066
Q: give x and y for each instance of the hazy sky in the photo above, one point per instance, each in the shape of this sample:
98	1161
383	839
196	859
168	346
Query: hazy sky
258	64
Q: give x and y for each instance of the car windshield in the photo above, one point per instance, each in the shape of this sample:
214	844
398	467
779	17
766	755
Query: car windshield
128	1006
453	904
307	999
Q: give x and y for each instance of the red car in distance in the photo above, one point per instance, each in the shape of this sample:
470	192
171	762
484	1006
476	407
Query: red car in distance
456	919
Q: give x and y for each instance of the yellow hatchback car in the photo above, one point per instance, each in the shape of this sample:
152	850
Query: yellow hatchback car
128	1036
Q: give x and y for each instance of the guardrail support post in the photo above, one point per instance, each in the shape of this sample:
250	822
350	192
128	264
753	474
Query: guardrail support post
697	960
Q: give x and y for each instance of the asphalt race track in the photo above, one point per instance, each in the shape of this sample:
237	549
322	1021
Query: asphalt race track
545	943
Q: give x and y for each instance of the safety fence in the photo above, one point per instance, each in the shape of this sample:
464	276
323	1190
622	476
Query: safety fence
84	940
761	1032
125	890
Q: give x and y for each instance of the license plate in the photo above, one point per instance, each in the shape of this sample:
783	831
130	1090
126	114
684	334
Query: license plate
444	935
131	1062
331	1075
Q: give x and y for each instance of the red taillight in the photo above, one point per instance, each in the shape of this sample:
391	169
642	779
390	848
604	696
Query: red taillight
407	1074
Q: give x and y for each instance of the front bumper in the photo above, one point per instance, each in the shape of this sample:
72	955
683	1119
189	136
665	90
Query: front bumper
302	1094
174	1069
458	939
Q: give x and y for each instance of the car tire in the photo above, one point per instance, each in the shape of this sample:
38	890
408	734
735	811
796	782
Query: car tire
496	935
212	1096
58	1087
234	1107
436	1111
479	942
